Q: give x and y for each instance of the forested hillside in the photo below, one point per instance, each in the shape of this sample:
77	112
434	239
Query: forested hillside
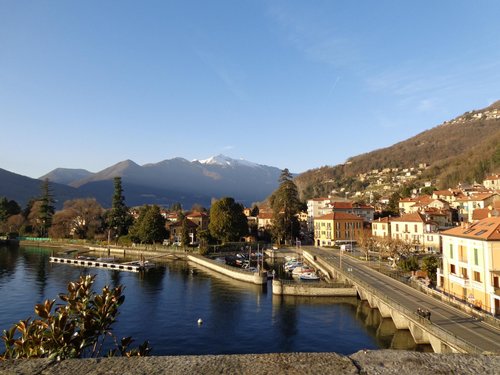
465	149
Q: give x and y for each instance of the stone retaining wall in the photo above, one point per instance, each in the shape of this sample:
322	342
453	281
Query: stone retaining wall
259	278
310	290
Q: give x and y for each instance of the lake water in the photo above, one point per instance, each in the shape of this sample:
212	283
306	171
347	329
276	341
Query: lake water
164	304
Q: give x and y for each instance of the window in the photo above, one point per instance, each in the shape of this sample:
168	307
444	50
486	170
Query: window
452	268
416	228
477	276
397	227
406	227
476	257
481	232
451	251
463	273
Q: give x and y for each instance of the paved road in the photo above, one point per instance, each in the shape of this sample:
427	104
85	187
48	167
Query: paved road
448	318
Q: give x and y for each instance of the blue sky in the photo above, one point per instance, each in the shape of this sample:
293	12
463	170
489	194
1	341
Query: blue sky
293	84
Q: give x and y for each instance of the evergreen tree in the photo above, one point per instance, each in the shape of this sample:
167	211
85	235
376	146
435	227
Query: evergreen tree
119	218
285	204
149	226
227	220
46	208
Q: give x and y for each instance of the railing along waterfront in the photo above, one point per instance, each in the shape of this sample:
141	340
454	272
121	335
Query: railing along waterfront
442	333
314	284
454	299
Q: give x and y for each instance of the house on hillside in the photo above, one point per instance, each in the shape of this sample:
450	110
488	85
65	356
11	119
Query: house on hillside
335	227
175	229
471	264
414	228
492	182
201	219
493	210
467	205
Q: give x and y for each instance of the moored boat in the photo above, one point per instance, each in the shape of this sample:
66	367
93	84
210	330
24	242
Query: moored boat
307	276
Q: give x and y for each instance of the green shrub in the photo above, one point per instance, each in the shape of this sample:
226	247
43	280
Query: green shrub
74	329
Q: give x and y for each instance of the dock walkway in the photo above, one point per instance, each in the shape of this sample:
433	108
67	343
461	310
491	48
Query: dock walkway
98	264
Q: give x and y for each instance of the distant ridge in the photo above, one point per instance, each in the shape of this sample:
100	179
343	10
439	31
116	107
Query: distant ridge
66	175
163	183
464	149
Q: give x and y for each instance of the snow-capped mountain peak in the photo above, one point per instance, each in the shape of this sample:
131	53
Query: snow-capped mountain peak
224	160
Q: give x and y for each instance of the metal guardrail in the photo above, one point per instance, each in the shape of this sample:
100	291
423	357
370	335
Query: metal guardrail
442	333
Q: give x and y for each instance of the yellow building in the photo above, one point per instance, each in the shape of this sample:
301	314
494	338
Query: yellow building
471	264
337	226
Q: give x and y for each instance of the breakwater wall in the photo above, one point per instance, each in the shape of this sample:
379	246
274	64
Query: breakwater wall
304	289
259	278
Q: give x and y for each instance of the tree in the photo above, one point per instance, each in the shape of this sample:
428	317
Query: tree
82	218
227	220
367	243
185	239
119	218
196	207
34	219
8	208
176	207
46	208
430	265
285	204
409	264
149	227
76	328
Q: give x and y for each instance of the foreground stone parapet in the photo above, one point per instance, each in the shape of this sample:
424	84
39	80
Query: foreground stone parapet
363	362
388	362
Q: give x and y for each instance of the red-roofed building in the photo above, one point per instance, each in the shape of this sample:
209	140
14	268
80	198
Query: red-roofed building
467	205
199	218
264	220
471	263
362	210
337	226
416	229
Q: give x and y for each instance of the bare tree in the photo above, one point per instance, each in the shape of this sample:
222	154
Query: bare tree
81	218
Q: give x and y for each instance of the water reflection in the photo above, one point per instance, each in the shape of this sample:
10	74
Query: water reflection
164	304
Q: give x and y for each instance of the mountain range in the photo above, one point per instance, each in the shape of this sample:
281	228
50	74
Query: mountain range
464	149
163	183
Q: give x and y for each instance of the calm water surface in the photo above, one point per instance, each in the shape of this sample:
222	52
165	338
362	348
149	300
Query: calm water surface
164	304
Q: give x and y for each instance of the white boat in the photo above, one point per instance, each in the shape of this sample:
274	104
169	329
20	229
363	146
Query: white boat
290	267
106	259
301	269
309	276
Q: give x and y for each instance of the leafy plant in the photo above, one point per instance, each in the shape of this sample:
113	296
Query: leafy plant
74	329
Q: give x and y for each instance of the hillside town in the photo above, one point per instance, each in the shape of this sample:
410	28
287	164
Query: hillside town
460	224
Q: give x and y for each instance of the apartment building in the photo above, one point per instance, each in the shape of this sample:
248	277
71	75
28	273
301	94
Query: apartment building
337	226
471	264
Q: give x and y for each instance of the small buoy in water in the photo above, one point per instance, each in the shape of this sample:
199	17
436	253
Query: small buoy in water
200	322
